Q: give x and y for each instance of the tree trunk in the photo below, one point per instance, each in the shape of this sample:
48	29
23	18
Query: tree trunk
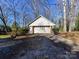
2	18
64	3
72	16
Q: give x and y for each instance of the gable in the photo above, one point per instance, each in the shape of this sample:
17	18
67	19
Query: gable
42	21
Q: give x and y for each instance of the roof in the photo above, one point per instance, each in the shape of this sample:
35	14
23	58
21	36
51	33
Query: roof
41	21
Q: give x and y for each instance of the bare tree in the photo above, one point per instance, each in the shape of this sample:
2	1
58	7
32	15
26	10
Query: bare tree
2	18
35	7
72	15
62	6
69	13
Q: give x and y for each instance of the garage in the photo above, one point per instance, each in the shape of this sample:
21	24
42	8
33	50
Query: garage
41	25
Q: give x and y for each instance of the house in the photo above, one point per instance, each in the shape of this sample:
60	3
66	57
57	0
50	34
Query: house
41	25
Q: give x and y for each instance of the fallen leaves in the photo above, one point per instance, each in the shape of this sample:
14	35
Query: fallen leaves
74	36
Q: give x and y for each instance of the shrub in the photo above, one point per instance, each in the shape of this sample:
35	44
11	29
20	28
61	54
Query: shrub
15	27
16	30
3	31
22	31
56	30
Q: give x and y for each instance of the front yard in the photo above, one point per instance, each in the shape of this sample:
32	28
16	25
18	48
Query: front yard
4	36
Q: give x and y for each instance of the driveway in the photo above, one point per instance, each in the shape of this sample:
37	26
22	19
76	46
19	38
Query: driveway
38	47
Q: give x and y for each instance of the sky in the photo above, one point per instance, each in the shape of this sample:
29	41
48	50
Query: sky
54	11
54	8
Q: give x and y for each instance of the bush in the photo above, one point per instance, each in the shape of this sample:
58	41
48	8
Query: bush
15	27
3	31
56	30
22	31
16	30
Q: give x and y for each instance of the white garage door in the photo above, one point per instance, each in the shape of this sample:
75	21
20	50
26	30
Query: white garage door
41	29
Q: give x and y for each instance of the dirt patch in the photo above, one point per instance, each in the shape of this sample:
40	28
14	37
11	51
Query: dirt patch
74	36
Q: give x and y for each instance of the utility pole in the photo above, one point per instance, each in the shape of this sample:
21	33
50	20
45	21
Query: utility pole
64	10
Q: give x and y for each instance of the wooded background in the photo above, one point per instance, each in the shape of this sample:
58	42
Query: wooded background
64	13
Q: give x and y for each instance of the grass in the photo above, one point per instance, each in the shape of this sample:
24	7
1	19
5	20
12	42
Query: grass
4	36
